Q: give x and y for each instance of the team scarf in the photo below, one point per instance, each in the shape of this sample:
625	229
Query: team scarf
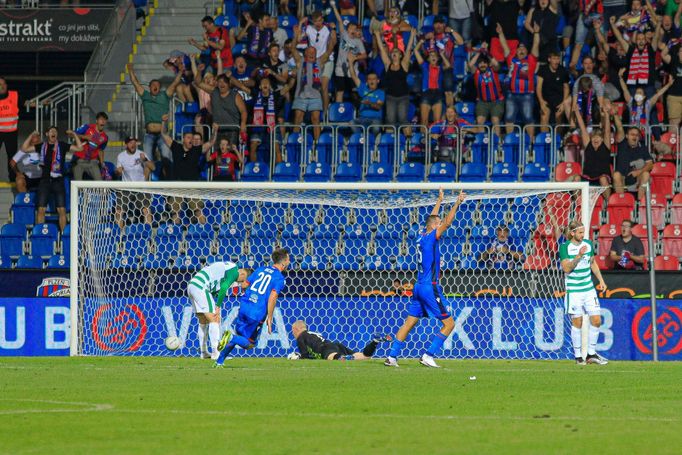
262	112
260	40
56	165
639	67
637	22
638	112
585	105
317	83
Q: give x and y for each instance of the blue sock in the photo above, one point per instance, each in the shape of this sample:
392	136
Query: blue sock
436	344
224	353
396	347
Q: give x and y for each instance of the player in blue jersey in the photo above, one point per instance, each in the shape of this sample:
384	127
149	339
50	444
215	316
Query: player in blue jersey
428	300
256	306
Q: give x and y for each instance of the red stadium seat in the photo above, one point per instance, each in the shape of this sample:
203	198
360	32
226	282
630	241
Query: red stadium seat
672	240
537	262
559	205
640	230
662	179
666	263
658	206
620	208
606	235
544	239
676	209
595	220
566	170
672	140
604	262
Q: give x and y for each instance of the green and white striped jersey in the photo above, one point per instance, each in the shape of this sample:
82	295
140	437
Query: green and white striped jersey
580	279
216	279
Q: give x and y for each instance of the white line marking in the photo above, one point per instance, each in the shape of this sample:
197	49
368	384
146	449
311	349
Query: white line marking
86	407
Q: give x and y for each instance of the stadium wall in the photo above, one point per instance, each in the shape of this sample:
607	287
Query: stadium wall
40	326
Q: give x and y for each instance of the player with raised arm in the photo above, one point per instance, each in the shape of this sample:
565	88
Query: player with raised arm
256	306
577	262
428	298
312	345
207	290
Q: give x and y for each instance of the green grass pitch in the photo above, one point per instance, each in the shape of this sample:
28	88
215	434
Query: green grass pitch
168	405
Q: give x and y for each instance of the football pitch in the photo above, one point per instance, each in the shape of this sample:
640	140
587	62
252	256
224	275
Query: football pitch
176	405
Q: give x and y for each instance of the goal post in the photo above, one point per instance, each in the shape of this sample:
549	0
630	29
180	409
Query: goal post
134	246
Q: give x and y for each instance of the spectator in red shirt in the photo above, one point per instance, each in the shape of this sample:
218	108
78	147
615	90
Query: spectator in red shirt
489	95
226	161
218	41
90	160
445	39
432	83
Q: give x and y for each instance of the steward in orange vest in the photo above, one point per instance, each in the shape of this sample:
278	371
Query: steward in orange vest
9	120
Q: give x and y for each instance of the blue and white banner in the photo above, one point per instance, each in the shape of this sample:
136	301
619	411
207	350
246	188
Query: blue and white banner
485	328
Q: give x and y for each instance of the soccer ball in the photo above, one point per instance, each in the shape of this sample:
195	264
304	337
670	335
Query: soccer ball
294	356
173	343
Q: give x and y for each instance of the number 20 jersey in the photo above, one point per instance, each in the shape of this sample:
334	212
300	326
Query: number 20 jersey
254	302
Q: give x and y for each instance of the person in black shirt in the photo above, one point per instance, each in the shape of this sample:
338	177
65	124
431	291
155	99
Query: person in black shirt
553	91
52	157
633	161
674	100
312	345
547	19
627	250
597	154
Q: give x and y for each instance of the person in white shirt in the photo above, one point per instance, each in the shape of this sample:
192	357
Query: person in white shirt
133	165
28	168
319	34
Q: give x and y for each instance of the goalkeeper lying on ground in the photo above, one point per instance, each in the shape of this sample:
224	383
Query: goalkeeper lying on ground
312	345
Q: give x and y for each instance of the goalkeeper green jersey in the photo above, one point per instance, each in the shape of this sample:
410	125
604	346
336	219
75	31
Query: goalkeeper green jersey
216	279
580	279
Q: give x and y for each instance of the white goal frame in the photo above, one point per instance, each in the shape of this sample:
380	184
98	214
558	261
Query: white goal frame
583	187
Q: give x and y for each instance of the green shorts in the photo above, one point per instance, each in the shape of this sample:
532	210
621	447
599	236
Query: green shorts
490	109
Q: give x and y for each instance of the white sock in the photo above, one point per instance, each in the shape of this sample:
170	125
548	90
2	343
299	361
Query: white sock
201	334
592	336
214	335
577	338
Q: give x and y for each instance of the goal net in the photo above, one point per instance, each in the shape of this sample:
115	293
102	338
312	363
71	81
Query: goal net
353	262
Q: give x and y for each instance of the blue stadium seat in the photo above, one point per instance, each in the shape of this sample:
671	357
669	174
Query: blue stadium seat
348	172
286	172
317	172
535	172
44	240
335	216
504	172
273	213
357	231
356	148
346	262
5	262
294	147
389	231
136	238
479	148
413	21
65	240
493	212
12	236
230	239
379	172
24	208
451	247
124	261
466	110
266	229
524	212
442	172
303	214
387	247
314	262
387	148
153	261
261	246
542	148
287	21
29	262
238	49
511	148
199	238
167	240
296	246
326	231
355	247
294	231
256	172
427	25
459	66
411	172
473	172
227	21
469	263
324	247
376	262
187	263
325	145
341	113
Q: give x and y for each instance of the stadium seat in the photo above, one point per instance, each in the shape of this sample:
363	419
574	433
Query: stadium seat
410	172
542	148
473	172
375	262
663	178
65	240
348	172
537	262
607	233
341	113
125	261
152	261
58	262
567	169
23	208
357	231
535	172
238	49
672	240
387	148
480	146
619	208
167	240
12	237
314	262
504	172
671	263
136	238
286	172
387	247
604	261
466	110
356	145
595	220
379	173
5	262
29	262
427	24
641	231
317	172
294	147
558	209
442	173
287	21
676	209
256	172
187	263
511	148
44	240
544	239
325	145
295	231
671	139
228	21
658	209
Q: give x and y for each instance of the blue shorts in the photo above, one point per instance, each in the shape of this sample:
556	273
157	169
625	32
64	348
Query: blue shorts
247	327
307	104
428	301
